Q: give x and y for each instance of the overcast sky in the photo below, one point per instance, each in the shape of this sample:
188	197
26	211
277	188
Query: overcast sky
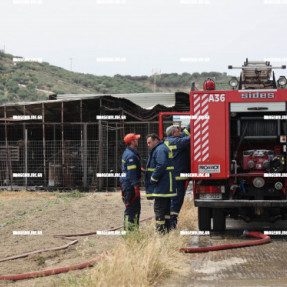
136	37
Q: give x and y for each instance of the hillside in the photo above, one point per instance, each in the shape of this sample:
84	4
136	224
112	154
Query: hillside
31	81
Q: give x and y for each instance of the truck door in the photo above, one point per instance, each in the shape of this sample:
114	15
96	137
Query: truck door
208	133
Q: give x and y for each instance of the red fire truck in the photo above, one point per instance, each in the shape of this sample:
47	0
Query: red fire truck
238	148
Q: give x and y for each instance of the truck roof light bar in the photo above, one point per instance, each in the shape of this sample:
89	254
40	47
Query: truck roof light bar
230	67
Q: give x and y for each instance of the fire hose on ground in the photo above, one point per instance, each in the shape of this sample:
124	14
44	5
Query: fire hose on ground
15	277
263	239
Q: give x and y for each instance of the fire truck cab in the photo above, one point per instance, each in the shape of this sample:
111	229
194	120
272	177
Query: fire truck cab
238	148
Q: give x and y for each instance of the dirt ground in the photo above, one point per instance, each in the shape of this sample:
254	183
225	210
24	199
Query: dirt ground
66	213
262	265
57	213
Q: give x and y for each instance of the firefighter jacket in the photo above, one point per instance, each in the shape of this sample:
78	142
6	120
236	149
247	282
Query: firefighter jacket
186	131
131	167
159	176
180	153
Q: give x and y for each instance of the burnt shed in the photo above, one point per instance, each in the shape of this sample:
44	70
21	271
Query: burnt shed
64	142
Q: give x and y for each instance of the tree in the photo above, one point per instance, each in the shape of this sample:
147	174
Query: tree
195	75
2	67
11	97
23	94
12	86
31	86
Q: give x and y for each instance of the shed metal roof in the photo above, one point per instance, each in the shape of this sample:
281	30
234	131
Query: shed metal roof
138	105
144	100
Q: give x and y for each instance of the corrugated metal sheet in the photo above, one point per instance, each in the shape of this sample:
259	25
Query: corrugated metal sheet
144	100
142	107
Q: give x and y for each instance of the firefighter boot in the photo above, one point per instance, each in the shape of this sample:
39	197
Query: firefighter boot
160	225
173	220
167	223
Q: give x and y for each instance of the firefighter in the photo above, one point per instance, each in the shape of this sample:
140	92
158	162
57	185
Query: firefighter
160	181
131	168
179	145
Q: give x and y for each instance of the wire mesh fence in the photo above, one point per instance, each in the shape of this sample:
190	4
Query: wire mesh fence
68	156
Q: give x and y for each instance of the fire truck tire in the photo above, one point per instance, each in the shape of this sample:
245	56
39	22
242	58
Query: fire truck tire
219	220
204	218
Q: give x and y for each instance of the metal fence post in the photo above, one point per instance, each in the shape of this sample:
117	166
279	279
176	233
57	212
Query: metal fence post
100	155
26	154
116	152
63	146
9	171
44	145
85	154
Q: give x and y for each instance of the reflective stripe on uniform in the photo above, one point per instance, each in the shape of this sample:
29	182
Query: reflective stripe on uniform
160	221
161	195
170	167
131	167
173	213
186	132
182	178
171	147
153	179
167	216
123	161
170	182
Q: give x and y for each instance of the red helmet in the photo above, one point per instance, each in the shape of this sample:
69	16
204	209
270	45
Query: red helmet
209	85
130	137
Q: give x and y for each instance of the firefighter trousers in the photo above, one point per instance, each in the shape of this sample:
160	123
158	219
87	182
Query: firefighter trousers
176	202
162	214
133	209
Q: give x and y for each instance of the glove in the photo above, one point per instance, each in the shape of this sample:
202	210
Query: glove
137	191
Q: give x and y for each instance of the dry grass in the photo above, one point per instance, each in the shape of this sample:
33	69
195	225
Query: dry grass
187	219
142	258
10	195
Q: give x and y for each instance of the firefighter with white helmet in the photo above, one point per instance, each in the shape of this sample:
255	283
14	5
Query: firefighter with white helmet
179	145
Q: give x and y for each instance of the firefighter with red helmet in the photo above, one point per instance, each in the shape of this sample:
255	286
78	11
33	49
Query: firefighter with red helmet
131	169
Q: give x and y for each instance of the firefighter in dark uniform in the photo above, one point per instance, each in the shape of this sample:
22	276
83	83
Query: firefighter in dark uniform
179	145
131	168
160	181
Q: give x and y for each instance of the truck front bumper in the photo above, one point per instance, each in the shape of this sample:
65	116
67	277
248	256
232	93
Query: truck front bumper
239	203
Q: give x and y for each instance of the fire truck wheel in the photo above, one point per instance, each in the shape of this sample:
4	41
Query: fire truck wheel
204	218
219	220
